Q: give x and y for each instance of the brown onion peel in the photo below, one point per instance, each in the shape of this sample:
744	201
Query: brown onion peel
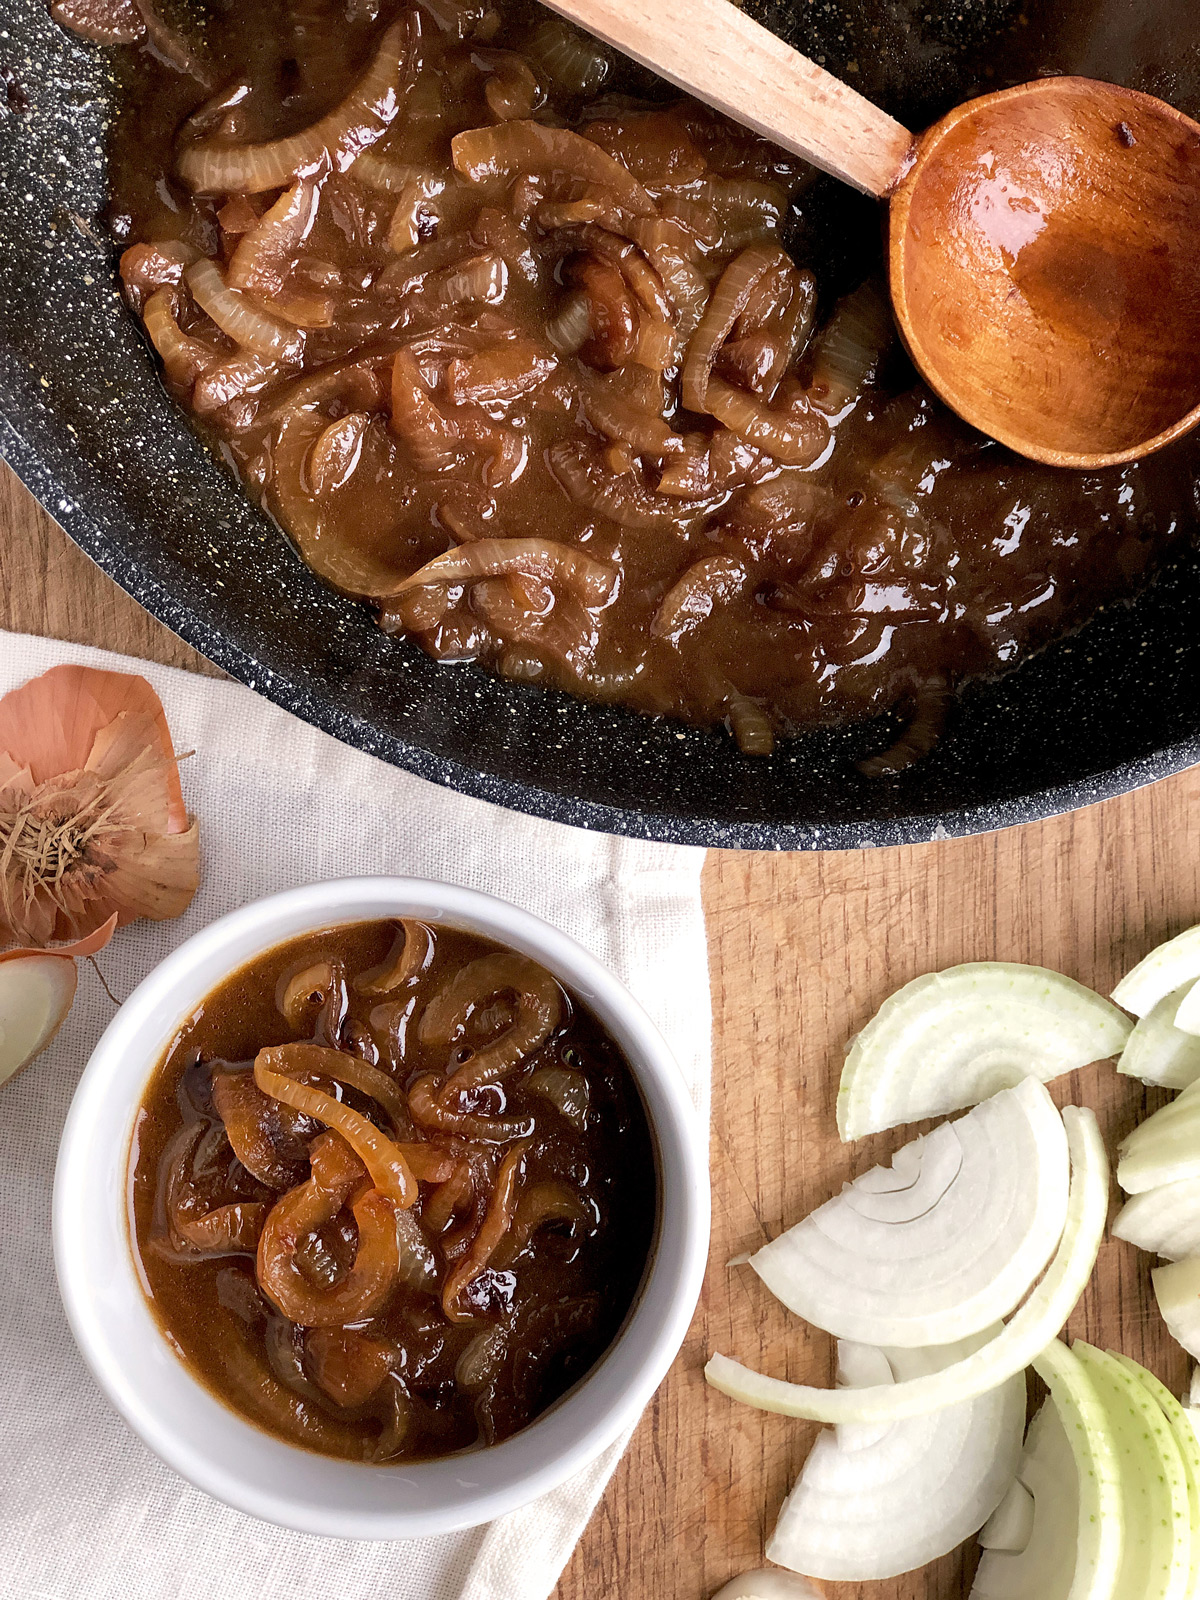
211	167
273	1073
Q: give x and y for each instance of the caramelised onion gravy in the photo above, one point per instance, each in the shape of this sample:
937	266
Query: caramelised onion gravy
532	355
393	1191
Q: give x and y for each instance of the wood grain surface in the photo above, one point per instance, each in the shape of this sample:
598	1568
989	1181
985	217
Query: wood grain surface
802	948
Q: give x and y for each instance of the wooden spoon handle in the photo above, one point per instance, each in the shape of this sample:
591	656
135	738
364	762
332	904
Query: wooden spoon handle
724	58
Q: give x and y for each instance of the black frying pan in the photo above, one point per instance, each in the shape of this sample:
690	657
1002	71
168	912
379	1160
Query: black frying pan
85	423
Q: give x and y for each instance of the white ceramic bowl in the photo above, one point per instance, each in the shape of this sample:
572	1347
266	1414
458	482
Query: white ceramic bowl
210	1444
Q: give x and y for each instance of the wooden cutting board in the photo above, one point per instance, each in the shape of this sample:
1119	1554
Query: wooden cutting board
802	948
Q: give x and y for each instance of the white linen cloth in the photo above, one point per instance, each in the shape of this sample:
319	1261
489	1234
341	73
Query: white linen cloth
86	1511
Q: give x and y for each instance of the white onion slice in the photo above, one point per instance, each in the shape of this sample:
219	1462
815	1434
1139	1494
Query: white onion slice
1164	1221
1028	1332
1010	1526
953	1038
1189	1449
1187	1014
36	992
944	1242
1158	1052
1168	967
1157	1548
875	1502
1165	1148
767	1585
1177	1290
1193	1399
1071	1470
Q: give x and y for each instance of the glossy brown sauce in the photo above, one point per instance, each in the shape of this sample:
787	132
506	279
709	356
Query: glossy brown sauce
653	459
298	1287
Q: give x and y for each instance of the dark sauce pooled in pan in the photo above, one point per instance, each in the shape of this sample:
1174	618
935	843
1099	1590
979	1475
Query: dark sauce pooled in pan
617	377
379	1311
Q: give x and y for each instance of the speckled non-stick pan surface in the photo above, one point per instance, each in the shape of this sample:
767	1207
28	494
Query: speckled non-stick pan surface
85	423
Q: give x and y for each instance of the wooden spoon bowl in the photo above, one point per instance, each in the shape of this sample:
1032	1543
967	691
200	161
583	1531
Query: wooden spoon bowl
1045	269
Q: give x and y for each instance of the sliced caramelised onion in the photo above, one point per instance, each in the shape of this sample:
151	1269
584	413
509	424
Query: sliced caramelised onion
213	167
952	1038
1165	1148
1027	1333
875	1502
945	1241
1059	1533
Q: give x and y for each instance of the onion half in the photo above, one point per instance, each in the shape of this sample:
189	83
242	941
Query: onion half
942	1243
1015	1346
873	1503
952	1038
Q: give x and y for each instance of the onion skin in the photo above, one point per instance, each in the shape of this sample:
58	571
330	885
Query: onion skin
335	141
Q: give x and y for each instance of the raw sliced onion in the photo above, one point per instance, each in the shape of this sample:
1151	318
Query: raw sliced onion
1010	1526
1015	1346
1168	967
873	1503
945	1241
1158	1052
1177	1290
235	315
1071	1470
1157	1549
1185	1437
212	167
767	1585
952	1038
1163	1221
1187	1016
1165	1148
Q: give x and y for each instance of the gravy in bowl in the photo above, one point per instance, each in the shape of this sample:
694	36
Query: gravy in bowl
393	1191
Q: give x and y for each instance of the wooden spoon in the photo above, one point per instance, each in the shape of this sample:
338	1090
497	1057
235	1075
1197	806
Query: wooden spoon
1044	246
